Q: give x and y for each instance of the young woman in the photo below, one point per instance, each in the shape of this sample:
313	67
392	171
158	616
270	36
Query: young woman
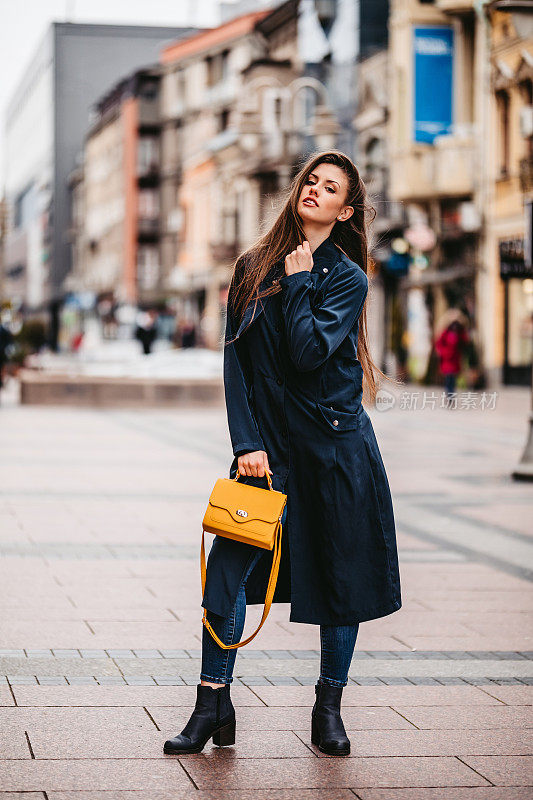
294	360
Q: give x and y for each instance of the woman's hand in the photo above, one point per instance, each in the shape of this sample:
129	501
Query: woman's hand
254	464
300	260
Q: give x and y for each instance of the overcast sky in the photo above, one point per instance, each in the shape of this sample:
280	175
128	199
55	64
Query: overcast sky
23	23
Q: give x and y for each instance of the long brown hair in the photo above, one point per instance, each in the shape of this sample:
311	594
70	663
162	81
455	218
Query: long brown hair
287	232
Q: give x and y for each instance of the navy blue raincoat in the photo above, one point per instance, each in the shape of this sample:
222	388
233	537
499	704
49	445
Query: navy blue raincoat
293	387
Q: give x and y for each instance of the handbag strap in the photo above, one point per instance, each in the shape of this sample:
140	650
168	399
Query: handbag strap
269	593
267	475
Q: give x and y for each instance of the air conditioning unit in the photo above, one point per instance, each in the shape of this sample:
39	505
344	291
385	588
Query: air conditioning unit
526	121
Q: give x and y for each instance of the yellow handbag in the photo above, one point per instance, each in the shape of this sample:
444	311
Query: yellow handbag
247	514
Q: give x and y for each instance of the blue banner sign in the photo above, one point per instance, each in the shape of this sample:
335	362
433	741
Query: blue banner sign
433	82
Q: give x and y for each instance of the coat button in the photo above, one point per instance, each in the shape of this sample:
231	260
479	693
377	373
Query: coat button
276	328
279	381
335	421
325	269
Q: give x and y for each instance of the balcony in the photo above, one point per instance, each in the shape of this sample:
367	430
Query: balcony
455	6
174	109
444	169
221	93
150	180
172	170
223	139
148	227
266	149
149	113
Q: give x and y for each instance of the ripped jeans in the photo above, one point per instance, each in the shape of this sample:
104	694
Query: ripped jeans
337	642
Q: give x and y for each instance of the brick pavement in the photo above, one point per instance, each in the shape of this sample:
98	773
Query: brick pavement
100	630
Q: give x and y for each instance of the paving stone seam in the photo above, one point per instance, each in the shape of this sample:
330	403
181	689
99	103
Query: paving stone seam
49	669
175	438
476	771
458	518
259	680
97	552
471	554
52	494
278	655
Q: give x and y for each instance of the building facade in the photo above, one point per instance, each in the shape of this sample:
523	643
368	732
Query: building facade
116	206
435	161
46	123
243	105
508	280
460	162
200	88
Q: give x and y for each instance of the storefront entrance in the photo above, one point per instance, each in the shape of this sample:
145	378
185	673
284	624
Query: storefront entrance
518	313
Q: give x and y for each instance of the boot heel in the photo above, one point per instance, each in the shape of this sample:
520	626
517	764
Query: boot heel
225	736
315	735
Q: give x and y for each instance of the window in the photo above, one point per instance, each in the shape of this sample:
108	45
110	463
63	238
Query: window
374	154
502	101
217	67
306	101
148	90
147	266
180	88
223	120
526	93
25	207
147	155
148	203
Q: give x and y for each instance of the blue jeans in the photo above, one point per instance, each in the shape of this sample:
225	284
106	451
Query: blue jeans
337	642
449	382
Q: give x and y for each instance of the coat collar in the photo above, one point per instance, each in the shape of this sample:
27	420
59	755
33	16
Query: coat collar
325	253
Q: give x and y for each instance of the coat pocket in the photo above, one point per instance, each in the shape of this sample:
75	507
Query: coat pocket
339	420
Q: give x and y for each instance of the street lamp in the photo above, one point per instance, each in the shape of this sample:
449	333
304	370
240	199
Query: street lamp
524	469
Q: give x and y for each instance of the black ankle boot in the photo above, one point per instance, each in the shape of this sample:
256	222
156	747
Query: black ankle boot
327	728
213	715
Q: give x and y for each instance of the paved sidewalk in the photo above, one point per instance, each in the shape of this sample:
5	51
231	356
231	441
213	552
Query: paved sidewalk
100	631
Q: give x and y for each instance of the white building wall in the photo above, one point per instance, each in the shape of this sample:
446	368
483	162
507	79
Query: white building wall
28	158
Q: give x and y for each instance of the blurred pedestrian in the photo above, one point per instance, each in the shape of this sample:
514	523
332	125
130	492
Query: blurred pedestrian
77	341
188	333
6	341
146	331
450	346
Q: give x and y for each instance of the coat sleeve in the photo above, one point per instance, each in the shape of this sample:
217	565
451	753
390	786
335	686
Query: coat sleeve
244	432
314	333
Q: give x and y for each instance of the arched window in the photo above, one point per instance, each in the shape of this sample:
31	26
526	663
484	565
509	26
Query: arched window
305	103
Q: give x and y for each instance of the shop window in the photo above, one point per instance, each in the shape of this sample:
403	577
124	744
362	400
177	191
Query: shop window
520	322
